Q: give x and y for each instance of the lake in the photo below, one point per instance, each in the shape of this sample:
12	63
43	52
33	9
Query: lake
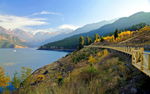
13	59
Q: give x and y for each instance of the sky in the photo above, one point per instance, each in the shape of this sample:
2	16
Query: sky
55	15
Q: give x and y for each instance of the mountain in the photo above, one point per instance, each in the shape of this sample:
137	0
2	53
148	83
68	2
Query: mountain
84	29
26	36
93	26
40	38
104	71
46	37
33	40
7	40
122	23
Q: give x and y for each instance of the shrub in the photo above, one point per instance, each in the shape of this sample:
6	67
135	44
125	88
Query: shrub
78	57
105	52
99	54
4	80
91	60
40	77
89	74
60	80
16	80
26	77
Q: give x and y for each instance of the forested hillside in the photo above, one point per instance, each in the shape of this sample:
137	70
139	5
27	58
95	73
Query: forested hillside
121	24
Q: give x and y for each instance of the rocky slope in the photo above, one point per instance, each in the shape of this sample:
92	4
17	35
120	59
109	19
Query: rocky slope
94	71
106	72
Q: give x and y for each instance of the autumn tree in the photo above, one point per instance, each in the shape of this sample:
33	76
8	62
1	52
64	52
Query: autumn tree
97	37
4	80
116	34
81	42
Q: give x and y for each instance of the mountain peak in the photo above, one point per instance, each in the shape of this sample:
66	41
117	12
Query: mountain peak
139	13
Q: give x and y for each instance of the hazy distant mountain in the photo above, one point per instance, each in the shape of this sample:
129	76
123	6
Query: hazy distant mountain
94	26
39	38
83	29
34	40
26	36
122	23
7	40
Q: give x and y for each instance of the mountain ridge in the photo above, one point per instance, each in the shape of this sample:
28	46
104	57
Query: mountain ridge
34	40
122	23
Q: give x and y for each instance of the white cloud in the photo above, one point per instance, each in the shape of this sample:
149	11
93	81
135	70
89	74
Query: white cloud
46	13
54	31
24	23
49	30
67	26
14	22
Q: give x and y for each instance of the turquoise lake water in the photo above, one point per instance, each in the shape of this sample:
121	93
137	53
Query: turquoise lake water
13	59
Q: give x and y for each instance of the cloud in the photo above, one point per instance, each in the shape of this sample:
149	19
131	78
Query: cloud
24	23
67	26
49	30
14	22
46	13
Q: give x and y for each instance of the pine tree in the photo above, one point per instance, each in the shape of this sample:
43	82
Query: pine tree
81	42
116	34
88	40
102	39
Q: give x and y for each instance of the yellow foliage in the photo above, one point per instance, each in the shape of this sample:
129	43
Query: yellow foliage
40	77
126	33
120	37
105	52
97	40
109	38
4	80
146	28
99	54
91	60
58	75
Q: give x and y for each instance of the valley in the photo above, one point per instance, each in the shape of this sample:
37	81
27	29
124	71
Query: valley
74	46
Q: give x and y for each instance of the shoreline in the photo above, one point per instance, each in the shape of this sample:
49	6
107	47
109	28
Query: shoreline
64	50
